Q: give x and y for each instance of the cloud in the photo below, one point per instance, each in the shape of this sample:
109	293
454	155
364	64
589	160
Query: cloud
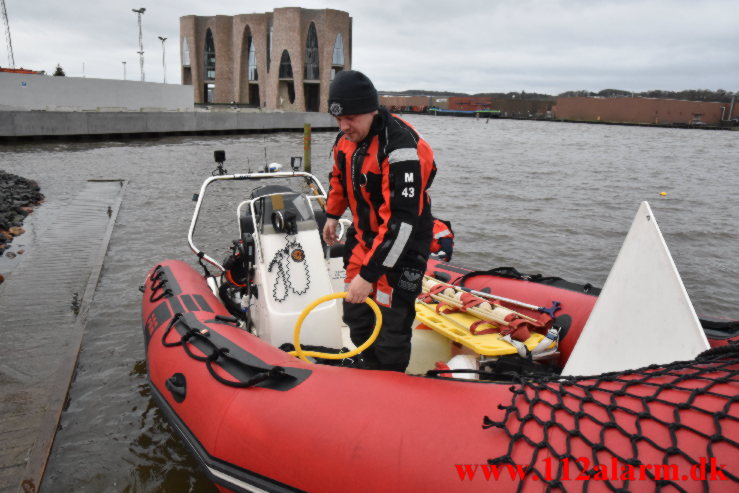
468	45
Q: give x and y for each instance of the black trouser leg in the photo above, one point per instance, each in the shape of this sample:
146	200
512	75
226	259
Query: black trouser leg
360	319
392	349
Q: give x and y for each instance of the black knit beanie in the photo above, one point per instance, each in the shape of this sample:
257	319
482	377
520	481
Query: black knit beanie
352	93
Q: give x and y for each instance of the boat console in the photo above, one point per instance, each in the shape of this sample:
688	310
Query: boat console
288	264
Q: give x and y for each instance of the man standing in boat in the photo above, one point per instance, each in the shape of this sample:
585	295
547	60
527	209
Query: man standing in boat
382	171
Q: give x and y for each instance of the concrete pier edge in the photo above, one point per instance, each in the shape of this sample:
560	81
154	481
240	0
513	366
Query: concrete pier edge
20	126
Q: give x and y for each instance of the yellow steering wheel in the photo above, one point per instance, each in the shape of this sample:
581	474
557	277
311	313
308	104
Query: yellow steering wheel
296	334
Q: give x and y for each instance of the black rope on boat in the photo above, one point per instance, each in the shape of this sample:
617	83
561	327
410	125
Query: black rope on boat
206	272
510	273
260	377
729	349
504	368
155	276
158	275
228	320
550	418
167	292
214	354
178	317
195	333
187	336
513	273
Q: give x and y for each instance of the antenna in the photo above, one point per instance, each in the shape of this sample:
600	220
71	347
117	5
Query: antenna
11	59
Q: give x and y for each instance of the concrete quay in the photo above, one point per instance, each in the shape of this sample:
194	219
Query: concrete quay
43	328
42	125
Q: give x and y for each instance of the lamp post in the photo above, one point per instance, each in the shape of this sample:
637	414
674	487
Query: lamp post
124	69
139	13
164	61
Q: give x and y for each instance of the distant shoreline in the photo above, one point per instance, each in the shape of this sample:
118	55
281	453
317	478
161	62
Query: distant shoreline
483	116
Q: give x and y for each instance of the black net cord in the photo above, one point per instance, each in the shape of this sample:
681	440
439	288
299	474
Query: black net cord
689	388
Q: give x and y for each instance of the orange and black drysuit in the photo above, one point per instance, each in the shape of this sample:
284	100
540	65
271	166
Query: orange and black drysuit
442	244
384	180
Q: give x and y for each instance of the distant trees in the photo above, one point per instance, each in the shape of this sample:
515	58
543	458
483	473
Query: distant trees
719	95
516	95
59	72
614	93
605	93
421	92
576	94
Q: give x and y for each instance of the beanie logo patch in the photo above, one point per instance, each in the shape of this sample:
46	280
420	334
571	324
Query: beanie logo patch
335	109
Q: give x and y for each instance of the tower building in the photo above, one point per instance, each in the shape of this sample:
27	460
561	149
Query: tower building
279	60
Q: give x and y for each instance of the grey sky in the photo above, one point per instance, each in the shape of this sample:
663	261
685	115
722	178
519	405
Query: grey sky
547	46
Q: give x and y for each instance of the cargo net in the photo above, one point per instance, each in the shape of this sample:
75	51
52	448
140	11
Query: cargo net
668	427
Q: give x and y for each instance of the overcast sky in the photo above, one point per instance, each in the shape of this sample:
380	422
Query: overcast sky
547	46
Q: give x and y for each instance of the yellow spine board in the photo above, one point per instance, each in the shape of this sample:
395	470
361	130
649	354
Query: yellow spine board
487	310
455	326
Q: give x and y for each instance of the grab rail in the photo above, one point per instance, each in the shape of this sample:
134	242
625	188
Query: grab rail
246	176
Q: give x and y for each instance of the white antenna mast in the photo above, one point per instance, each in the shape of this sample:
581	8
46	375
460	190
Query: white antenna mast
11	59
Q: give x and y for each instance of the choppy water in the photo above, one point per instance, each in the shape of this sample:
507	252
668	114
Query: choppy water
544	197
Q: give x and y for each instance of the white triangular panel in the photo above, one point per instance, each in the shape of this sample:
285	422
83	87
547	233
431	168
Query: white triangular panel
643	315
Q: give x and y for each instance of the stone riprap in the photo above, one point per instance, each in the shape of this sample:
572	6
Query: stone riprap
18	195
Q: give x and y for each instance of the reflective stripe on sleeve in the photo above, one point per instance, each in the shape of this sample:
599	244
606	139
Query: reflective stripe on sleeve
404	233
404	154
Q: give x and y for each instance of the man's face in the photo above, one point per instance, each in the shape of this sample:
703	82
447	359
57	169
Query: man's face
356	127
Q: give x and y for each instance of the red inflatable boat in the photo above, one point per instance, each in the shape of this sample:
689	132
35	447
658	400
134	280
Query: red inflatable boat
259	419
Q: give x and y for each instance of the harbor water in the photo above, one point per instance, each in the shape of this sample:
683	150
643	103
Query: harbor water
544	197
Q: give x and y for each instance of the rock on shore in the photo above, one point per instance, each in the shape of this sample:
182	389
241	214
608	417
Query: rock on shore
17	198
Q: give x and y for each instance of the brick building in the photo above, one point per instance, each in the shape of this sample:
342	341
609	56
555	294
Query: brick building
515	108
279	60
471	103
416	104
524	108
644	110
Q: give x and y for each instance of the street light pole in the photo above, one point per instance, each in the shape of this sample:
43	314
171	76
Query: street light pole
140	12
164	60
124	69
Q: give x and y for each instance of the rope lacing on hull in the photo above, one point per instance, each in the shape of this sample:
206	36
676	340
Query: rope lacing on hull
632	407
216	354
158	275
